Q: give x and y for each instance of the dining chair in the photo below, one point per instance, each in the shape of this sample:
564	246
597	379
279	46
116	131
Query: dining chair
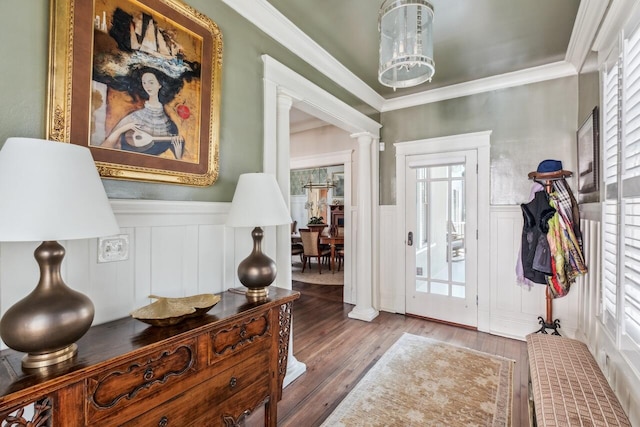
296	244
312	248
297	249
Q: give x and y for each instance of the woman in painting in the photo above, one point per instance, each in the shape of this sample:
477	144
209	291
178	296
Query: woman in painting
149	130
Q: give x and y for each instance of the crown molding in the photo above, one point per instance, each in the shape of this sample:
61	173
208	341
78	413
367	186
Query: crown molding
516	78
267	18
585	27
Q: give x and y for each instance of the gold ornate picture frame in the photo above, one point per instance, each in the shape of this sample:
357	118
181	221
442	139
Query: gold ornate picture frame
138	82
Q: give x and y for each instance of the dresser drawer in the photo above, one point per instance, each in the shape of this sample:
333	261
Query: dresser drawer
233	412
152	375
238	389
231	338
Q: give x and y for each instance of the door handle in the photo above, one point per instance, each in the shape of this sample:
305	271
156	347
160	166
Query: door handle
410	239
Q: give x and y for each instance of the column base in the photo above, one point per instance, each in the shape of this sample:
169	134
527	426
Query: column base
295	368
367	314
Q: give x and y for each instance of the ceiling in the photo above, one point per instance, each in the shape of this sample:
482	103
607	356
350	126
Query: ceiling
473	39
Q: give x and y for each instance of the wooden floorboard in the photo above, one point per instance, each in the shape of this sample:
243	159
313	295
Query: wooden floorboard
338	352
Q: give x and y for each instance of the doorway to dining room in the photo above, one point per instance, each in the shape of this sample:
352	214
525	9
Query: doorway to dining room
318	228
322	154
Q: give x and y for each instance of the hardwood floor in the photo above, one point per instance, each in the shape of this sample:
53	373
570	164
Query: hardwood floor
338	351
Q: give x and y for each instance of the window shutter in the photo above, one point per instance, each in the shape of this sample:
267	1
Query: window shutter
631	106
610	262
610	217
631	187
632	268
610	128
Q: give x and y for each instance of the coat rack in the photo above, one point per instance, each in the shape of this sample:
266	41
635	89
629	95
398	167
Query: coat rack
546	180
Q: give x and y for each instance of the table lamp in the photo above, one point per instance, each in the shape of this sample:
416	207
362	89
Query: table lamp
257	202
50	191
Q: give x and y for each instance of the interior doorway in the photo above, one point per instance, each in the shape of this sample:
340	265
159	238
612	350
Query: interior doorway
441	219
339	162
447	152
283	88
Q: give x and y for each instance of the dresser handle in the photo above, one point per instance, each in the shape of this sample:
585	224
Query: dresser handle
148	373
164	422
233	382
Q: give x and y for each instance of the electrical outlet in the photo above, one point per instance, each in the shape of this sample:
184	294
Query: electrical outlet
113	248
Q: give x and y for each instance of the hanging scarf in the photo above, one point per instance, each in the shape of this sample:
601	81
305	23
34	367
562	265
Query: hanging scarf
567	261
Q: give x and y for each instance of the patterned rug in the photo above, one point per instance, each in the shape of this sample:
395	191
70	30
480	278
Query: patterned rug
423	382
311	275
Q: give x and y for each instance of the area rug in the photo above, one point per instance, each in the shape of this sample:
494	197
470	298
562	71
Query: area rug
311	275
423	382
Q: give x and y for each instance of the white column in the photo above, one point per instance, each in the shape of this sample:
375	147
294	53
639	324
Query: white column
364	232
283	131
295	368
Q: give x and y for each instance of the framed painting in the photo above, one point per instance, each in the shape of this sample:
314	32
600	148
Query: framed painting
138	82
588	137
338	181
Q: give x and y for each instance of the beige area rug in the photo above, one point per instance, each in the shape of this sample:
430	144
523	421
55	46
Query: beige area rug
423	382
311	275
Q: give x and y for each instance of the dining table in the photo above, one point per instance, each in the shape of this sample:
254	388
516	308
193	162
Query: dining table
332	241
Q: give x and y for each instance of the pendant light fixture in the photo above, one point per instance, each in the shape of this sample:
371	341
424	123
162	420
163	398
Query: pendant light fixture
319	183
406	43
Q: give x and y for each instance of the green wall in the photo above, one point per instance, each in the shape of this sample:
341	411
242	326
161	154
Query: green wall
24	28
530	123
589	94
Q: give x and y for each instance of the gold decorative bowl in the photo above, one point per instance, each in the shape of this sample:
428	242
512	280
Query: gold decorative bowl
171	311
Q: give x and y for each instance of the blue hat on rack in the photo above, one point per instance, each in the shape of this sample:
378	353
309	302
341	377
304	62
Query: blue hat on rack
550	169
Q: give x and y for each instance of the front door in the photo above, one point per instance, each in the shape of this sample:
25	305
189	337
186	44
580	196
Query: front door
441	236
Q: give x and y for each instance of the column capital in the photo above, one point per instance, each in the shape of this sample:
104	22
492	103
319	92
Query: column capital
285	95
285	102
365	137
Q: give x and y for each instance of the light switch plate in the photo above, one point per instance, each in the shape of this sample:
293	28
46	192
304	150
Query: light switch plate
113	248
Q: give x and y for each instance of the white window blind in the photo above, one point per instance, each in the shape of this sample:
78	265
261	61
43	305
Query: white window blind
610	125
621	209
631	106
630	192
632	269
611	149
610	262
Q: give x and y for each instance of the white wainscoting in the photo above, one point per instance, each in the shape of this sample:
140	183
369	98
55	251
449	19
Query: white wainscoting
514	310
390	272
588	287
176	249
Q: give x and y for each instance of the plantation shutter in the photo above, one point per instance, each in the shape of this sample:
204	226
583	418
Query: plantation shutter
631	186
610	135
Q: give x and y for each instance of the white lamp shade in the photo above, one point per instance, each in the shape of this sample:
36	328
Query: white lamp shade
258	202
51	191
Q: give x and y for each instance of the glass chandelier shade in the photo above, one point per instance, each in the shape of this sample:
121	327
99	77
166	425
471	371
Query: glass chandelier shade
406	43
310	185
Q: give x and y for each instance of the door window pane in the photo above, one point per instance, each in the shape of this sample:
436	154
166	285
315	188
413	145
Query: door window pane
440	239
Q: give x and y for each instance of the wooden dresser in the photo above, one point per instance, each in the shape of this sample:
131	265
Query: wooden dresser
213	370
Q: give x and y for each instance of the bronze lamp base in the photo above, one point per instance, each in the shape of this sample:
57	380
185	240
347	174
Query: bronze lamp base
257	271
47	322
